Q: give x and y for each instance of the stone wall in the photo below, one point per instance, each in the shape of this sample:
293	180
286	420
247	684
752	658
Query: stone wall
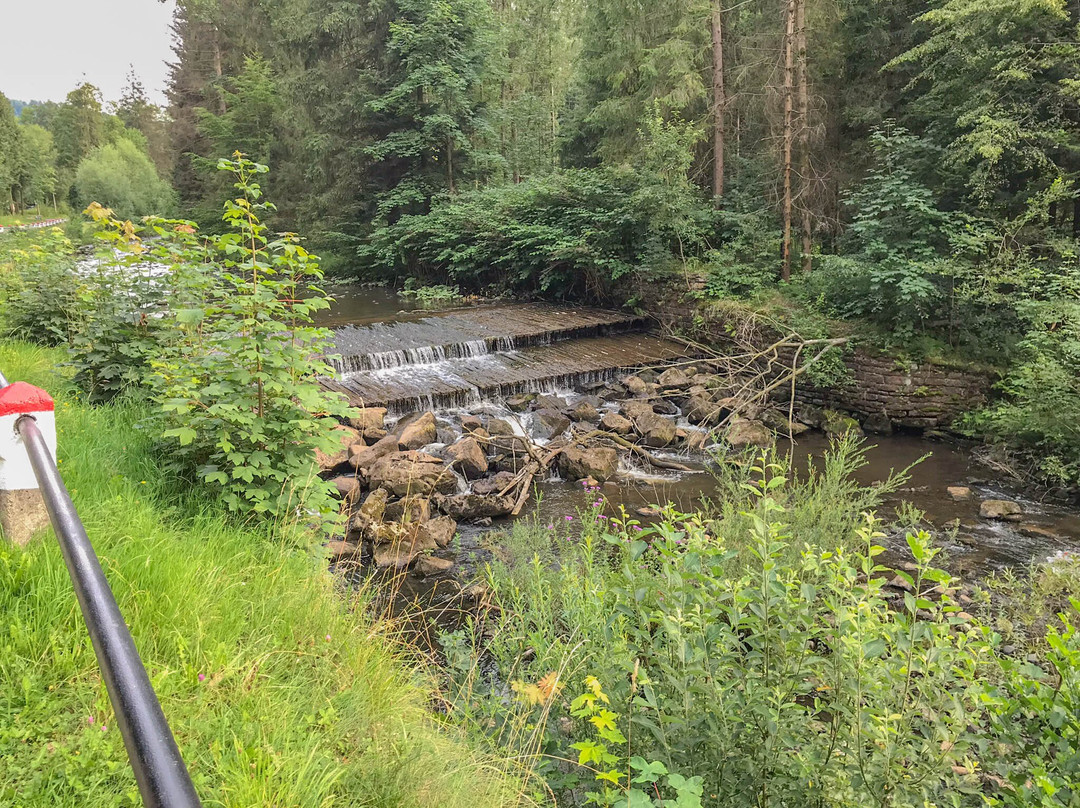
924	396
911	395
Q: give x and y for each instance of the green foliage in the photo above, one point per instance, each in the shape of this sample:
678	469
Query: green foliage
897	247
571	234
38	287
120	176
1042	391
278	690
236	375
438	295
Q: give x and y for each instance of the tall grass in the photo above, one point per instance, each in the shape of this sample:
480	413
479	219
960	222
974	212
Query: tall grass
279	690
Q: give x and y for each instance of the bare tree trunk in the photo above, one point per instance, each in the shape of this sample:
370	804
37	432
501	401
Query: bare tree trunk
789	92
804	137
719	101
218	72
450	164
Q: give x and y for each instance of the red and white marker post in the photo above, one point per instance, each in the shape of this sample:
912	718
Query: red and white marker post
22	510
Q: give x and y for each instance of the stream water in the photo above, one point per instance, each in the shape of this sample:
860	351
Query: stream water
424	352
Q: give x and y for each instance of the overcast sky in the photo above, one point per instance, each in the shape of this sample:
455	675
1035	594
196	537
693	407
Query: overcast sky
47	47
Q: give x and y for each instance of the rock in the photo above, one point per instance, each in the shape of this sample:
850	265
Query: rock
837	424
673	379
959	493
636	407
419	433
408	511
341	550
648	511
468	457
362	457
395	555
635	385
585	411
898	582
547	402
440	530
374	506
494	484
1039	532
364	418
778	422
404	473
373	436
348	487
468	507
810	415
695	441
500	428
346	436
741	434
510	462
520	403
878	424
613	422
470	423
665	407
601	463
649	376
428	565
1000	509
655	430
701	410
547	424
613	392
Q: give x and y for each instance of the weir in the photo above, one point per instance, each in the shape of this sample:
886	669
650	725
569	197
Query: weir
461	358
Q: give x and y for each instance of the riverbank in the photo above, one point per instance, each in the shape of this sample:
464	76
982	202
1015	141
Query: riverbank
279	690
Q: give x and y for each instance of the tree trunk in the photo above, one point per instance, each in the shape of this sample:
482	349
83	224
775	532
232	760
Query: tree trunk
789	92
804	137
450	164
719	101
218	71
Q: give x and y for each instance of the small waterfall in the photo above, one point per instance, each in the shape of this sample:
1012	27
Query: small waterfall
460	360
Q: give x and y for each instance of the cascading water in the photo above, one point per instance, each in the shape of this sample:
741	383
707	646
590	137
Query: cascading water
461	359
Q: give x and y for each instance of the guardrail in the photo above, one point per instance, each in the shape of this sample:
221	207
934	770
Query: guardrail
162	778
31	225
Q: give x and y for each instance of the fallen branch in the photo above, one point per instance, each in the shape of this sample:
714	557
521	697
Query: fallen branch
658	462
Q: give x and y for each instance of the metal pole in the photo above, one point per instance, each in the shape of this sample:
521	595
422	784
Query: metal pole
159	770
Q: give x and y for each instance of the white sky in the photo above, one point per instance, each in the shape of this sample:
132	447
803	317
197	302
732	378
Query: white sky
47	47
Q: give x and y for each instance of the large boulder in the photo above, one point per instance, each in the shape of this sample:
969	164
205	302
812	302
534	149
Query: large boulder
348	487
364	419
520	403
635	385
410	510
837	424
470	507
468	457
500	428
778	422
363	457
369	515
673	379
741	434
1000	509
700	409
600	463
636	407
404	473
549	402
548	424
813	417
585	411
878	424
613	422
419	432
428	565
655	430
440	530
494	484
345	436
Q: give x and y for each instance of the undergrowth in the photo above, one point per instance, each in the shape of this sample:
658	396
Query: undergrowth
279	691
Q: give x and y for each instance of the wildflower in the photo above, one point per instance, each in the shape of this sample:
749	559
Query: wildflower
551	527
328	638
202	677
601	516
104	728
89	719
569	519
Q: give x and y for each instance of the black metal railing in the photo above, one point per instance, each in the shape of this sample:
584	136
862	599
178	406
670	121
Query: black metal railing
163	779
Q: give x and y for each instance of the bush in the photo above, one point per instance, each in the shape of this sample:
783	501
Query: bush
572	234
122	177
38	287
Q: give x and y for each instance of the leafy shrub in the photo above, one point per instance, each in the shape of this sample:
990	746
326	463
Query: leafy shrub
38	288
739	651
121	176
571	234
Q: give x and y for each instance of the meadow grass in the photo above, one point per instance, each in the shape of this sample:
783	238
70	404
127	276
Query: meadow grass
279	689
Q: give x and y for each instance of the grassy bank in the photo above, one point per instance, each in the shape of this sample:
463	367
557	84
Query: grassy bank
279	694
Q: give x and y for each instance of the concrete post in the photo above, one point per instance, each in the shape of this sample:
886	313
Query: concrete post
22	510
